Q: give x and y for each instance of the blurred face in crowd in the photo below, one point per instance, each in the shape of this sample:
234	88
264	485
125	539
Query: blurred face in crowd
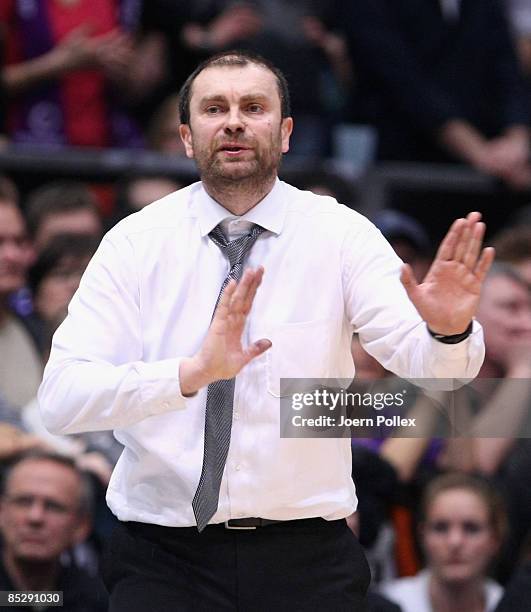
505	313
57	288
83	221
15	250
457	537
144	191
40	515
236	132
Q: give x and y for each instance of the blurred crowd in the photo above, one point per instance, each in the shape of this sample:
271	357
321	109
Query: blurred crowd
445	519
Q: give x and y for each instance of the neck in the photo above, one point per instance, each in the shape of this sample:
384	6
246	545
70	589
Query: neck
238	197
451	597
31	575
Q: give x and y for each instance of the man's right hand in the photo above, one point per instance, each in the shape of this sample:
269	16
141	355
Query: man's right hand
222	355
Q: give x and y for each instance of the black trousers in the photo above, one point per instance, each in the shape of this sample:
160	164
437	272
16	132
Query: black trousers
303	565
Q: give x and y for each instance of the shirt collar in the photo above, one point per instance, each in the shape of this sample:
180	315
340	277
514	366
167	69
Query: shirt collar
269	213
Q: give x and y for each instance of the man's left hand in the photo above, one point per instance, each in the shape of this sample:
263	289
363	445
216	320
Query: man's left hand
448	297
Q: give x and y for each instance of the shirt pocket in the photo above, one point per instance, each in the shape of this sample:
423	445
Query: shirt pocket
299	351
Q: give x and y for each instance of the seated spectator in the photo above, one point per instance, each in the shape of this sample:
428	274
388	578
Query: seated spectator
513	246
163	131
463	526
71	69
408	238
20	367
441	82
54	278
136	192
61	207
45	510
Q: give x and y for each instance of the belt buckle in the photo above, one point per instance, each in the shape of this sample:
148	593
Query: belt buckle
227	526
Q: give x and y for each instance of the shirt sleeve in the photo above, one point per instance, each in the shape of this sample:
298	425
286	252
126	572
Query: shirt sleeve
96	377
389	326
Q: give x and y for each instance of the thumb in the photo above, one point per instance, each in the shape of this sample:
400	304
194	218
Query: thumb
408	280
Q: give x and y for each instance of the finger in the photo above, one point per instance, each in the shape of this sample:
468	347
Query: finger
474	246
408	280
257	348
223	307
447	247
484	263
462	245
242	290
256	282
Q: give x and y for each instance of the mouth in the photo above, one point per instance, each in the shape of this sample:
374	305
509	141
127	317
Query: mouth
233	149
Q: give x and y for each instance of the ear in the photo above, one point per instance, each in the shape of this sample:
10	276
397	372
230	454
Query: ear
186	136
285	129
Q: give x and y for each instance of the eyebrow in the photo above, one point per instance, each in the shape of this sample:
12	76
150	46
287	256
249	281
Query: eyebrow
222	98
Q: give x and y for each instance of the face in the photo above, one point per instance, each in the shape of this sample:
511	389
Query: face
58	287
84	221
505	313
15	251
457	537
236	133
39	514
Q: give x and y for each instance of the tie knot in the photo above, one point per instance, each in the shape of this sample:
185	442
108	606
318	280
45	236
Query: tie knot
236	250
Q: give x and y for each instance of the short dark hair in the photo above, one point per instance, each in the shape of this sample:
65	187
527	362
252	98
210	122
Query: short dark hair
8	191
86	492
235	57
57	197
514	244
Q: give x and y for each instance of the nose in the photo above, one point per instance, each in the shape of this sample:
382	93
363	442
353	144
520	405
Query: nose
36	512
10	251
234	121
455	537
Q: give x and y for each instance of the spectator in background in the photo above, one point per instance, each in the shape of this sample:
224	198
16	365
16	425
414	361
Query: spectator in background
54	278
46	506
408	238
463	526
61	207
70	69
136	192
513	245
163	131
297	36
441	82
20	366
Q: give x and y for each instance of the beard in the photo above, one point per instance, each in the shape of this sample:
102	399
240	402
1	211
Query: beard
258	167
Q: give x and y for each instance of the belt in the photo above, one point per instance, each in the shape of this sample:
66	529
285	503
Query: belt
249	523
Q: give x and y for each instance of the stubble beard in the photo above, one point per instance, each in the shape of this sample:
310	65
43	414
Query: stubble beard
251	178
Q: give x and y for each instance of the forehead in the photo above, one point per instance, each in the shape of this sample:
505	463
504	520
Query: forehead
455	502
234	82
10	218
43	477
505	289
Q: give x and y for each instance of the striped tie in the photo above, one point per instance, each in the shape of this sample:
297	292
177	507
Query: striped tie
220	395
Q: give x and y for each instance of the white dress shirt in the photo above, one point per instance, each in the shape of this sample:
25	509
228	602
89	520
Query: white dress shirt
146	300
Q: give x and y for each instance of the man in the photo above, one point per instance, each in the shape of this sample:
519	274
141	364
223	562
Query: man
62	207
20	368
142	352
44	511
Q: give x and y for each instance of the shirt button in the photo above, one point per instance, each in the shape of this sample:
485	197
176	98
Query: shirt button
236	416
238	468
165	404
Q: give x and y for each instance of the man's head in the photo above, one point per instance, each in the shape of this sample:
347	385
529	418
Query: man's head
62	207
15	251
45	508
505	313
235	123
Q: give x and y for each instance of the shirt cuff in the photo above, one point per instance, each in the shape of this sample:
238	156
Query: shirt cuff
160	389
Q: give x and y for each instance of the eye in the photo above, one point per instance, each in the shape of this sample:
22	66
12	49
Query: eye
439	526
255	108
213	109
